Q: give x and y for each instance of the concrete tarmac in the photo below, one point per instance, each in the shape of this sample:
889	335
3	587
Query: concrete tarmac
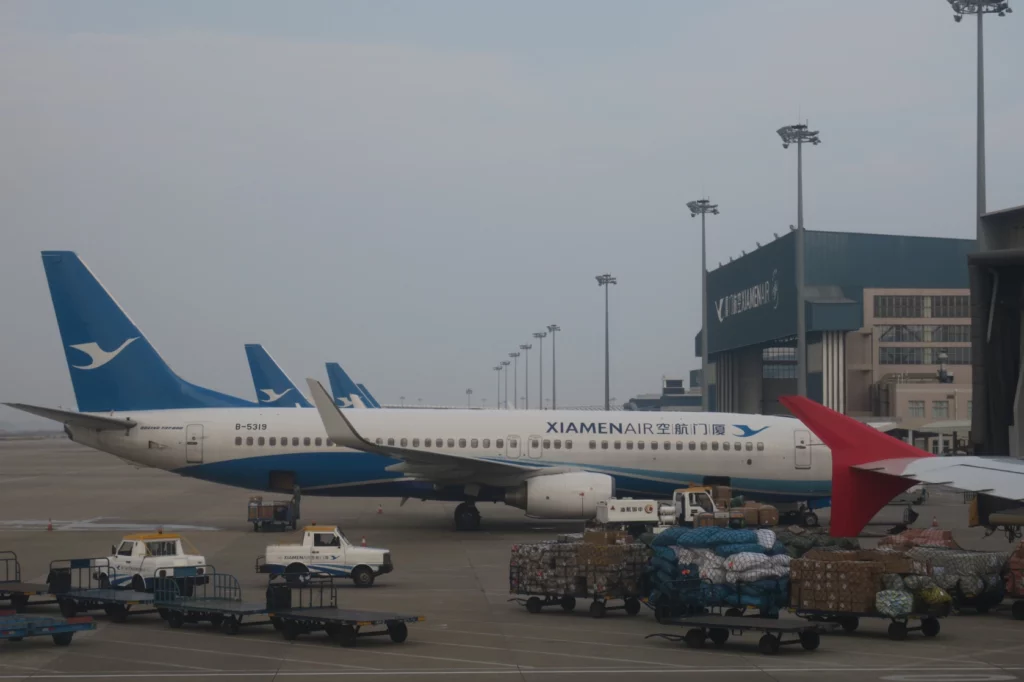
457	580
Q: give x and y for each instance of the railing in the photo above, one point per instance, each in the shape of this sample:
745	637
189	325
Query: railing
10	567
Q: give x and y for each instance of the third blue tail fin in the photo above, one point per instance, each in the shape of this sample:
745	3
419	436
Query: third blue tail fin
343	389
370	400
273	387
113	366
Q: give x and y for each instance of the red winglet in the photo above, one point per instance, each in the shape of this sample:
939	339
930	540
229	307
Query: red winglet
857	495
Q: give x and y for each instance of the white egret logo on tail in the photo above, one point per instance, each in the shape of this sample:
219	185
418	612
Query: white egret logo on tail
351	401
97	355
272	396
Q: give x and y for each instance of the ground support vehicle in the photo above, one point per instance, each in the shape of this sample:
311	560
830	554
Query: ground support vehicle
928	622
719	628
325	550
313	606
141	557
275	515
16	627
19	593
77	588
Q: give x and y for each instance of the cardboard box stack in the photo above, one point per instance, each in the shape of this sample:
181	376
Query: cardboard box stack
758	514
601	562
1015	573
834	585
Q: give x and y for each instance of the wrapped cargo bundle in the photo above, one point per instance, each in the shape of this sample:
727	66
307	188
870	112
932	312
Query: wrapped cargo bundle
577	568
919	537
799	541
894	603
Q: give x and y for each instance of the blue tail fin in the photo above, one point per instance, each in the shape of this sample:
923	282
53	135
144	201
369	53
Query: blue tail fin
343	389
113	366
273	387
370	400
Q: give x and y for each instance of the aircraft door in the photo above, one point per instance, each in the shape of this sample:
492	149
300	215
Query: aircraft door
802	450
534	447
512	447
194	443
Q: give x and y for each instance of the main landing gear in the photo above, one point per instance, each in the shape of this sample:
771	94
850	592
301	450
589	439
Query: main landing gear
467	516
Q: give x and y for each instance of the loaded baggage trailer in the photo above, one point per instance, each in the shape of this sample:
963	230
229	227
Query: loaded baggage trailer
77	587
12	588
16	627
719	628
692	596
928	622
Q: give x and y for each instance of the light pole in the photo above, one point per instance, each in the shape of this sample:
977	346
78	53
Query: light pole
402	398
540	339
703	207
980	7
515	378
525	347
497	403
799	134
505	364
554	389
606	281
469	393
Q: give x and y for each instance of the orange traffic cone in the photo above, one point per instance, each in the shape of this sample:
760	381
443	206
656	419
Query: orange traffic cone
49	526
935	522
363	541
380	509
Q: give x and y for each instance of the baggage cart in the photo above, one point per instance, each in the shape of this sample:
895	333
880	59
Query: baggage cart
19	593
76	585
777	633
689	596
16	627
535	602
927	621
275	515
181	599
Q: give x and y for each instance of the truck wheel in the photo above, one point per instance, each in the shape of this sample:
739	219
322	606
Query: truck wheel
216	620
768	645
362	576
533	605
175	619
139	583
632	606
897	631
930	627
230	626
568	604
296	574
718	636
289	630
398	632
1017	610
810	640
849	623
598	610
694	638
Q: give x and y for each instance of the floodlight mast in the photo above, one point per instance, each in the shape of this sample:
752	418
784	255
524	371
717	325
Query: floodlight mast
606	281
703	207
799	134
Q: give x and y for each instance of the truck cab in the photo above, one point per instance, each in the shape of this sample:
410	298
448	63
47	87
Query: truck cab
138	559
691	501
325	550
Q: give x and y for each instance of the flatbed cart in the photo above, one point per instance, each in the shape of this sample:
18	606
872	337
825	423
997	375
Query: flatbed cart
928	622
719	628
12	588
312	606
76	585
16	627
275	515
217	600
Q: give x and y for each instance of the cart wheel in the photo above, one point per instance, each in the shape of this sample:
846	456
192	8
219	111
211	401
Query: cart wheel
849	623
289	630
733	613
19	602
118	613
897	631
62	638
68	609
930	627
175	619
398	632
768	645
568	604
632	606
718	636
662	613
230	626
276	622
533	605
694	638
598	609
1018	610
982	607
346	635
810	639
217	620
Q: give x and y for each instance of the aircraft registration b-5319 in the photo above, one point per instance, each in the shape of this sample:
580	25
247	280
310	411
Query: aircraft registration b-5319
553	464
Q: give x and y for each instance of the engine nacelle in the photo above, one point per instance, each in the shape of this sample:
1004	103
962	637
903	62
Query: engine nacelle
572	495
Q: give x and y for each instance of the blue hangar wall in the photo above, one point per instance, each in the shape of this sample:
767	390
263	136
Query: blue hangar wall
752	306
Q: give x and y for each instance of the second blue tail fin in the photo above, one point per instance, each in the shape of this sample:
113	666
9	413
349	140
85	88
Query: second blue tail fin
370	400
343	389
113	366
273	387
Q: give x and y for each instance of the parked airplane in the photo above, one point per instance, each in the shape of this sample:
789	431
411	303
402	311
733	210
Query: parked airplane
345	391
553	464
273	387
366	394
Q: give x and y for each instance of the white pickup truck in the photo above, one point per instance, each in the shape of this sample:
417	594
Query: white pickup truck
140	558
637	516
326	551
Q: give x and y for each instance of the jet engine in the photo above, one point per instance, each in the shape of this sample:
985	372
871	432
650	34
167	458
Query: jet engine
572	495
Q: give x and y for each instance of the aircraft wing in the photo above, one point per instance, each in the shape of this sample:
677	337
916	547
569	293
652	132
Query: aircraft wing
421	464
870	468
89	421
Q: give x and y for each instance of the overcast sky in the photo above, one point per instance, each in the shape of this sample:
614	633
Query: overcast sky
412	189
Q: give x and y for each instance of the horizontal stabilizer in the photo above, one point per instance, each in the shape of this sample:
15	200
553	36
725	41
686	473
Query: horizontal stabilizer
90	421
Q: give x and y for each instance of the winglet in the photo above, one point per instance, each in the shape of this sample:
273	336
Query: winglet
338	427
857	495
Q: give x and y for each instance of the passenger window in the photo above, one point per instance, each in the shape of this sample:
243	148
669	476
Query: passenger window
404	442
295	442
273	440
474	443
380	441
617	445
391	441
640	445
693	446
593	445
738	446
451	442
513	443
534	443
568	445
725	446
317	442
329	442
679	445
248	441
714	445
462	442
703	445
558	444
487	442
629	445
415	442
668	445
547	444
238	440
305	441
760	447
654	445
261	440
500	443
750	446
426	442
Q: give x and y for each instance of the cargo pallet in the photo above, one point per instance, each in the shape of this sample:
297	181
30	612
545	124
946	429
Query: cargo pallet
16	627
76	585
898	627
14	590
719	628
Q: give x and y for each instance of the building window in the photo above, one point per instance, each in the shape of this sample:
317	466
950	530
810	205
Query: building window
899	306
888	355
900	333
915	408
940	409
970	409
778	362
951	306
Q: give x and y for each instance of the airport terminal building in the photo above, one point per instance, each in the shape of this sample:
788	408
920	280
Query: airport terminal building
884	314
